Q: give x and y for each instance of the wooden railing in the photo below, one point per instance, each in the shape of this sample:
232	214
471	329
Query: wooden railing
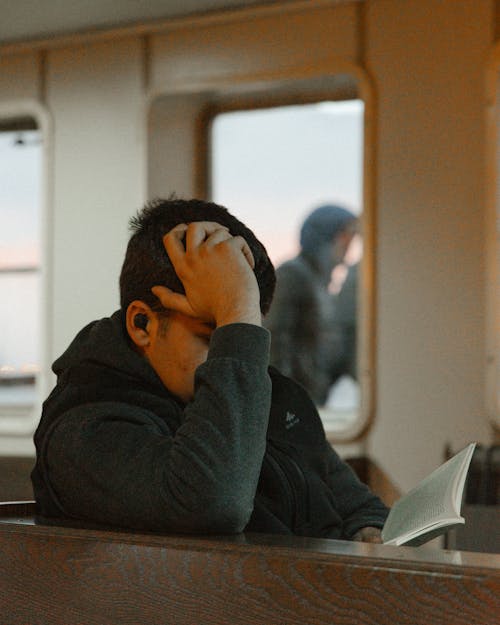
73	576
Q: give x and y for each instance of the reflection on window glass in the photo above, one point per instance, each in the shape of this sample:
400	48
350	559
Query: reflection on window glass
20	173
294	175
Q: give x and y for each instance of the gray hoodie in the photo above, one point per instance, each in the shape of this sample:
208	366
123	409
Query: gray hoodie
116	449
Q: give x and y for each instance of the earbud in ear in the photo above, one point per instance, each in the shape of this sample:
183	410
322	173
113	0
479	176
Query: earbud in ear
141	321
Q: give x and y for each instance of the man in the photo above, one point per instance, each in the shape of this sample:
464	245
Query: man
345	327
166	417
305	342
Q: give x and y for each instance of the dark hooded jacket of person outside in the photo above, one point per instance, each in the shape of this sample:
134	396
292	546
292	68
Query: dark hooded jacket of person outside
305	342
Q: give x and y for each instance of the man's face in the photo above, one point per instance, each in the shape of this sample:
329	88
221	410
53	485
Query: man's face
179	345
216	270
340	245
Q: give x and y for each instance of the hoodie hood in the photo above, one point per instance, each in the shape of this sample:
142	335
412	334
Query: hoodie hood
318	232
322	226
105	342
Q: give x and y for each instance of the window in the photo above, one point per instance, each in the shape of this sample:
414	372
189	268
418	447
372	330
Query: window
272	167
20	204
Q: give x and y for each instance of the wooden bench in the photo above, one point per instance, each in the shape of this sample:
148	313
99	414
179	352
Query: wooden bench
66	576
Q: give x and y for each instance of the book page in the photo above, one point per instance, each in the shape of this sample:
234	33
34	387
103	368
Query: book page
413	512
435	501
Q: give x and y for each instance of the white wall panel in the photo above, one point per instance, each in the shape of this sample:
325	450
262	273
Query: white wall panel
94	94
172	145
233	52
428	66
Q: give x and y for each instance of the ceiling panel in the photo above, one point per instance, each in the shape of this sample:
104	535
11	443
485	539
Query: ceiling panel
23	20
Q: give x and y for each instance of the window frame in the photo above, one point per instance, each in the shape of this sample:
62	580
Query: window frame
367	286
492	239
19	420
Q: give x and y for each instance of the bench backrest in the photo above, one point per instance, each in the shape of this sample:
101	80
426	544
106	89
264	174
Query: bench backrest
56	576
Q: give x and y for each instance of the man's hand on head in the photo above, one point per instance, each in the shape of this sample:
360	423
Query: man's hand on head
216	270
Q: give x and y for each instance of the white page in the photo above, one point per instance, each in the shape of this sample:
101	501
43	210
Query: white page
435	502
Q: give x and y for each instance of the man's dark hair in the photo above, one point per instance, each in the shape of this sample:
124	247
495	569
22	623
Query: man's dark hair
147	264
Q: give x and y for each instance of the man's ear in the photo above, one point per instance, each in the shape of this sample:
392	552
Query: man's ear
138	322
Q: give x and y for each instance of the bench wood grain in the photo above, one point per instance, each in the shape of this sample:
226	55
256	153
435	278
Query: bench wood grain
70	576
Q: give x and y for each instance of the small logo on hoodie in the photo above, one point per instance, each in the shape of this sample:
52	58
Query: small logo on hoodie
291	420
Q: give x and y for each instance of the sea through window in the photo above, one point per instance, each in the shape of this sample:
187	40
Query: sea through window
20	214
272	167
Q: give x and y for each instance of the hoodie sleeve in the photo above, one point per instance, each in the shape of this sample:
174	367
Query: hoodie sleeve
355	502
116	464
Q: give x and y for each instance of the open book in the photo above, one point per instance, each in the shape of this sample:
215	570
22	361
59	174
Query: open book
432	507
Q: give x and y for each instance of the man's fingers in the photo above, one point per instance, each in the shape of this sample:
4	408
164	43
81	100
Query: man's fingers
215	269
173	242
184	238
247	253
198	231
218	236
173	301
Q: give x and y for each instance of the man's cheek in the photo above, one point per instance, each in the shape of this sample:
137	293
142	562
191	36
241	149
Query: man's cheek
202	356
198	357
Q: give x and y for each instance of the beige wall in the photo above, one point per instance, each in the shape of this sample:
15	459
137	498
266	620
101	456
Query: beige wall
94	96
426	61
172	143
431	271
